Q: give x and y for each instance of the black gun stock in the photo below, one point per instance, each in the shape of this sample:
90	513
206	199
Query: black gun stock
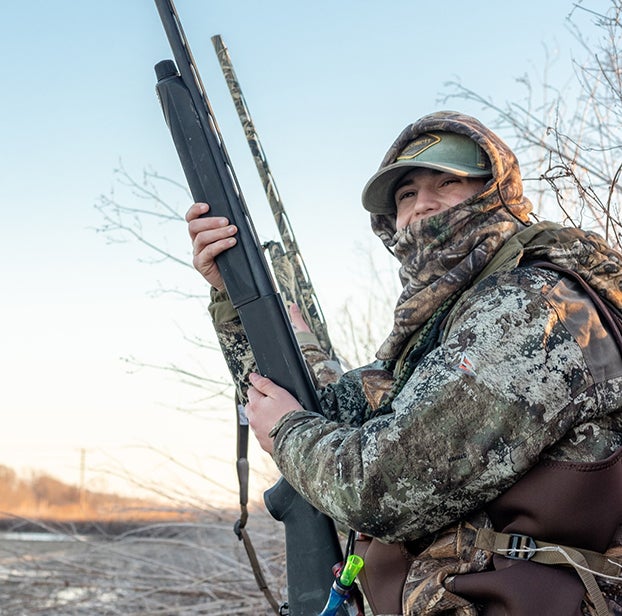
285	505
312	546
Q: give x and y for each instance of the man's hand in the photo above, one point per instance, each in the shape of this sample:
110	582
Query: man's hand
298	322
267	403
210	236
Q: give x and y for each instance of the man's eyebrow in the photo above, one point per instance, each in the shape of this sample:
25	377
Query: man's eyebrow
403	182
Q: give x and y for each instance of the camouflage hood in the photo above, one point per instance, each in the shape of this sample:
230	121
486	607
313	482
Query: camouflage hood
442	255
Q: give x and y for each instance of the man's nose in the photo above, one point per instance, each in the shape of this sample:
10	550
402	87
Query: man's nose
426	202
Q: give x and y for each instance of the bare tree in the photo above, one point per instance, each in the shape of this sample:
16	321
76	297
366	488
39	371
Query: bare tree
569	135
148	213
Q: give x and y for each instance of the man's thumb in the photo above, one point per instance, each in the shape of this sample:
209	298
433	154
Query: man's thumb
260	383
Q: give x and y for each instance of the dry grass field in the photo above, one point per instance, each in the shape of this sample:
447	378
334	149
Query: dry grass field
171	568
68	554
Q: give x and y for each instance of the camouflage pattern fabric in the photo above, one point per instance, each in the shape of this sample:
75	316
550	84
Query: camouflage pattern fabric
322	368
240	361
505	187
455	438
514	378
473	417
452	552
611	589
471	420
237	353
443	254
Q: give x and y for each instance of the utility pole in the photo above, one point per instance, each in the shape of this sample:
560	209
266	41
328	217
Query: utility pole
82	478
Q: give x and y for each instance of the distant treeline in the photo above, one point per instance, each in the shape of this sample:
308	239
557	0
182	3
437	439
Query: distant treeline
42	496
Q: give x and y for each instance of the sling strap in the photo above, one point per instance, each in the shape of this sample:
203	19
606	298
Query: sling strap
240	526
585	562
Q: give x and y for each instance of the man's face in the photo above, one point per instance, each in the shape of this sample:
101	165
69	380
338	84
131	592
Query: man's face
425	192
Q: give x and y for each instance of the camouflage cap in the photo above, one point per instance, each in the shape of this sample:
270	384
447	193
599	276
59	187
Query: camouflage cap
449	152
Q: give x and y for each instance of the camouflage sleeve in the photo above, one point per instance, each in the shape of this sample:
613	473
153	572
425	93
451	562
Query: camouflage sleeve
509	380
233	341
239	358
324	369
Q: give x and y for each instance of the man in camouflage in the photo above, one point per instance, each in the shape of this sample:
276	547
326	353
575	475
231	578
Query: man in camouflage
492	411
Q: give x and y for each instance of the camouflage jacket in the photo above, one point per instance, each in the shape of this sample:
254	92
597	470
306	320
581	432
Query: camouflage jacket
521	369
479	410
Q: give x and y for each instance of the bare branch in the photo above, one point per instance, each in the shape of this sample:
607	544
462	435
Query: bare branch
569	141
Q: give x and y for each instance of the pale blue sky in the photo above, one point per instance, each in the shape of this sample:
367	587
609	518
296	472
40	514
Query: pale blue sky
329	85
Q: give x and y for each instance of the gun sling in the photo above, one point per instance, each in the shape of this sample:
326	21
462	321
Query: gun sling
585	562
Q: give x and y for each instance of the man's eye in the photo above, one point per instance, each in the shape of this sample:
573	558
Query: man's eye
405	195
449	181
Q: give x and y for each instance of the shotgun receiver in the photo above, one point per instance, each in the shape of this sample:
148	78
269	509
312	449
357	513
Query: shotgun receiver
312	545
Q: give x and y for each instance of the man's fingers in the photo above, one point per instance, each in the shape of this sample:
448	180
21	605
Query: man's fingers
196	210
254	395
262	384
210	243
208	228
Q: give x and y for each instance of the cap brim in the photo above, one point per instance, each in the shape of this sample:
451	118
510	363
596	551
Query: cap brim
379	193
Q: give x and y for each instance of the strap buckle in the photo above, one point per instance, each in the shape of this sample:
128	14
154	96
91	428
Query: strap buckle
520	547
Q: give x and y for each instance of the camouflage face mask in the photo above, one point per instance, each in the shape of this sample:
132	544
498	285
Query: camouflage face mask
440	256
443	254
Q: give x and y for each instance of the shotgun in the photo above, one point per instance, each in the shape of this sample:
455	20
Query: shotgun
312	544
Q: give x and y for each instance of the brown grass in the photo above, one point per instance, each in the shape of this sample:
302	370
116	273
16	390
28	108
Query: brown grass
42	496
107	555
